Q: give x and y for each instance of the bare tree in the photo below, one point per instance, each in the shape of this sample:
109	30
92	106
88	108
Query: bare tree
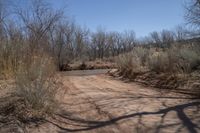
5	49
17	44
156	39
115	43
193	12
129	40
99	41
167	38
4	10
59	45
192	17
180	33
162	39
80	43
4	14
39	18
62	43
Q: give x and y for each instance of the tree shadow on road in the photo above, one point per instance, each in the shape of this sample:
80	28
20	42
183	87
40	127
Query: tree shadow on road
190	122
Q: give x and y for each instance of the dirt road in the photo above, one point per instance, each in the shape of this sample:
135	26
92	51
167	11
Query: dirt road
98	103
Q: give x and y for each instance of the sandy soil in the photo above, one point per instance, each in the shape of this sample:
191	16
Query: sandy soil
99	104
102	104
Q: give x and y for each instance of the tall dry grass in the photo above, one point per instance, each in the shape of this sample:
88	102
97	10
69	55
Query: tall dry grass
133	62
37	85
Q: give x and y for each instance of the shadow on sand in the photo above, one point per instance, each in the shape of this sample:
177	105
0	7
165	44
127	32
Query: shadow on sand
185	121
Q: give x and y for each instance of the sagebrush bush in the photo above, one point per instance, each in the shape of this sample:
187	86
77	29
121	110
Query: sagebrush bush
188	60
133	62
141	54
159	62
124	62
37	85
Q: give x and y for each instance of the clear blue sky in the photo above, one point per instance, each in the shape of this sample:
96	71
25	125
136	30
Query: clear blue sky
142	16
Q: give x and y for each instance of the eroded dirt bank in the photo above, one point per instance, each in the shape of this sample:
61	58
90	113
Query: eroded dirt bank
98	103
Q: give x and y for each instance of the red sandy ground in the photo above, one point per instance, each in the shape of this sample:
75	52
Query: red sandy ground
103	104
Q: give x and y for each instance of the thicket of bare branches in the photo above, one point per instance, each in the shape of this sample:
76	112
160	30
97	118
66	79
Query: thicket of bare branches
193	12
38	28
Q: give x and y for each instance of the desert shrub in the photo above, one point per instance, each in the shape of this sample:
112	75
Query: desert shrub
123	61
142	54
184	59
158	62
133	62
188	60
37	85
174	60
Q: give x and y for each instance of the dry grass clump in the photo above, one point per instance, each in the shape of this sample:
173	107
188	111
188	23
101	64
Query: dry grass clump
158	62
142	54
37	85
132	63
127	62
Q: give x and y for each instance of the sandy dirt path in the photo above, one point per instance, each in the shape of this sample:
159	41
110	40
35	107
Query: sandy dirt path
101	104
